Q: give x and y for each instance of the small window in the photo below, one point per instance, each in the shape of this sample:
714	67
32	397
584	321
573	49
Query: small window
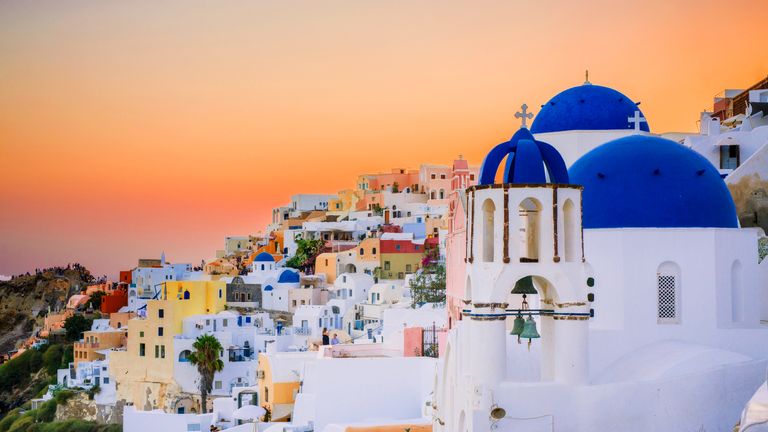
106	380
161	313
157	351
433	176
142	349
373	251
386	265
141	334
362	251
162	351
397	247
217	385
442	176
224	322
220	293
159	331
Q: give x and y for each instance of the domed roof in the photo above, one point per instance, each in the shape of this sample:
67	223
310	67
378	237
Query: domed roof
288	276
587	107
644	181
528	161
264	257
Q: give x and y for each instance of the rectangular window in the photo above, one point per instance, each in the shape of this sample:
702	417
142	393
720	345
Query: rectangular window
224	322
442	176
141	334
159	331
217	385
433	177
386	265
161	313
142	348
667	299
106	380
157	351
407	268
162	351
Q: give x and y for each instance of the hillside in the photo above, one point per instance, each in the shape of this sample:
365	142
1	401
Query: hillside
25	299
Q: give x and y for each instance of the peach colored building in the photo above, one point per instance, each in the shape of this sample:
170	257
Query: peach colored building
55	321
399	178
88	349
120	319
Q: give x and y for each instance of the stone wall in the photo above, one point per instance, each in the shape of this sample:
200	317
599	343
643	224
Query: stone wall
81	407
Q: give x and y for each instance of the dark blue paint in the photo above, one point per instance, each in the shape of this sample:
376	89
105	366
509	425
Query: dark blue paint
288	276
264	257
621	188
528	162
586	107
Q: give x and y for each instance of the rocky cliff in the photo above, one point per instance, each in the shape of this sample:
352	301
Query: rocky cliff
25	299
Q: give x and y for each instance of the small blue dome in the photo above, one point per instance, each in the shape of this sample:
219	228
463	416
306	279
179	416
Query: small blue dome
587	107
268	288
644	181
528	162
264	257
288	276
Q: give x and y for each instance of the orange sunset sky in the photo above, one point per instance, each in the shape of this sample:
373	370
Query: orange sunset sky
132	127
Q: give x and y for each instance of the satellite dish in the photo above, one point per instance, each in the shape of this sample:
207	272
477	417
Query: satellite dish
498	413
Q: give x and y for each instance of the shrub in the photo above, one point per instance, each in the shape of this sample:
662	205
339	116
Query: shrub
46	412
11	417
22	424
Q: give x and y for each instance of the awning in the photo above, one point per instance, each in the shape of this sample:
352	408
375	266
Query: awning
249	412
727	141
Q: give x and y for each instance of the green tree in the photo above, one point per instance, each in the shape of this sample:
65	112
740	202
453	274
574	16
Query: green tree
206	358
75	325
96	299
307	251
428	284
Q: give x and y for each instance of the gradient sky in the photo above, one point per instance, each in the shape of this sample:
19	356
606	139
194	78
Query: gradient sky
132	127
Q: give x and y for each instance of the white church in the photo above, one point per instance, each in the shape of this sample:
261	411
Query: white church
605	284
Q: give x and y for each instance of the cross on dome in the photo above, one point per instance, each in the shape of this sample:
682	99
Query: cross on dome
524	115
637	118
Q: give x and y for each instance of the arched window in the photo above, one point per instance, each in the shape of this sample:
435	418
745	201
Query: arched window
488	226
737	296
262	267
186	295
373	251
432	195
529	211
668	293
183	355
362	251
570	239
442	193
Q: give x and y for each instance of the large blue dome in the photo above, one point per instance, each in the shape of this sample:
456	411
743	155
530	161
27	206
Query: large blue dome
644	181
587	107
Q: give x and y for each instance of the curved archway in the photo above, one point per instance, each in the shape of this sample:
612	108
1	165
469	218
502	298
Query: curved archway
571	235
668	293
529	211
184	355
489	210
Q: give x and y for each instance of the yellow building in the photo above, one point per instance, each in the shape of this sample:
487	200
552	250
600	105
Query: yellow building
144	370
279	381
327	264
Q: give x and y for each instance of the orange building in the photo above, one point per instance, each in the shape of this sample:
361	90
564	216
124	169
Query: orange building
113	301
94	341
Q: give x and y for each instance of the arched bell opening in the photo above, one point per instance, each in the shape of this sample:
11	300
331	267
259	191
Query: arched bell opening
529	211
489	237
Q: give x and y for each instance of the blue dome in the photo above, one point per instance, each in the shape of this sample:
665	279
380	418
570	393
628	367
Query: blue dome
288	276
644	181
268	288
587	107
528	162
264	257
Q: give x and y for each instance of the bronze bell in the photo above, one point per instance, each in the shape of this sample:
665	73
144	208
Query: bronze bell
517	328
529	331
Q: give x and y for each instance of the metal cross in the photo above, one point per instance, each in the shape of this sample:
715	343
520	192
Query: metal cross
524	115
637	119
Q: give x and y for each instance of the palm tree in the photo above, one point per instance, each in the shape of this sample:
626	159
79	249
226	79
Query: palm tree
206	358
